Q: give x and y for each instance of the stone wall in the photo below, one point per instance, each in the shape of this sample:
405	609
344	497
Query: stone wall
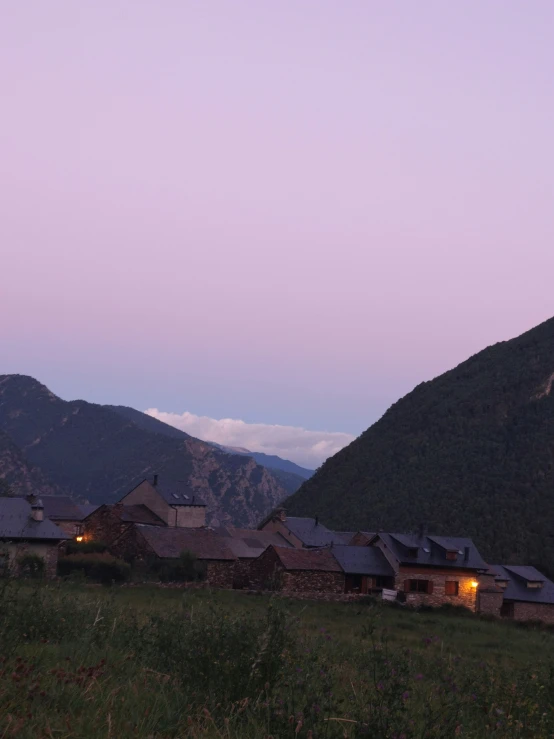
489	601
467	593
534	612
47	552
219	574
307	581
242	578
104	526
265	571
190	517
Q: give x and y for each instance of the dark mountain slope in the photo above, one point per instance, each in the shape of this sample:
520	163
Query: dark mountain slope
289	474
97	454
471	452
22	477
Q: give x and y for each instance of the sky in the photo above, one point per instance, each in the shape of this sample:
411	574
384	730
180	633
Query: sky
286	214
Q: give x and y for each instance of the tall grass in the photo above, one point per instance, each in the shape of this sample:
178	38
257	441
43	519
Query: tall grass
78	662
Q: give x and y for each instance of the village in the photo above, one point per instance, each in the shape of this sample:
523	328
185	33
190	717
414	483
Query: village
157	523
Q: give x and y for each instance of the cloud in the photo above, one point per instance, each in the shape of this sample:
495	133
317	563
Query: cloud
307	448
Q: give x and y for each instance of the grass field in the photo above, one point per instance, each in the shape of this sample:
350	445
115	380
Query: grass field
81	661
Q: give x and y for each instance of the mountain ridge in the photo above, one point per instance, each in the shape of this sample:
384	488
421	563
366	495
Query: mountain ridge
467	453
92	452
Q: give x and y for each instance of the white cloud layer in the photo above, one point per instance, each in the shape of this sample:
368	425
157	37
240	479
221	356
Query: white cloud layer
306	448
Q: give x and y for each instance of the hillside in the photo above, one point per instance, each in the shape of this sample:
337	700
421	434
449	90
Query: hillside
95	453
289	474
470	452
22	477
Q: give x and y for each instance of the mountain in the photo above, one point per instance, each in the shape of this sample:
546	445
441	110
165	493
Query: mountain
468	453
96	453
289	474
22	477
271	461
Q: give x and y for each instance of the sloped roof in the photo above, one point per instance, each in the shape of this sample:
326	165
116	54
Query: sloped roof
312	533
138	514
307	559
87	509
250	543
431	551
16	523
173	492
517	590
170	542
362	561
61	508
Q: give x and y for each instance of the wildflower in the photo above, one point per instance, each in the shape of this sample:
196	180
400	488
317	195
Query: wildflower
419	676
405	695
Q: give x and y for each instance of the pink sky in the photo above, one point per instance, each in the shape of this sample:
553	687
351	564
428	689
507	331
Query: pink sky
283	212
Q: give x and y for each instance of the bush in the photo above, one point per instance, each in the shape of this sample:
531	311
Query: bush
101	568
31	565
85	547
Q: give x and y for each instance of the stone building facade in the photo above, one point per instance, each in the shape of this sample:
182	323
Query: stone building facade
434	587
172	503
292	570
109	522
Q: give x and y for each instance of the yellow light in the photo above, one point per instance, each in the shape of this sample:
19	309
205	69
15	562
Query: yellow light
78	538
474	583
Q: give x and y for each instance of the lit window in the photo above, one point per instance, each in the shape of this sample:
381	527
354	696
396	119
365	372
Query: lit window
452	555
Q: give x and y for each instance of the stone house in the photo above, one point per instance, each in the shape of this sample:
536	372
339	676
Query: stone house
302	532
366	568
247	545
433	570
527	595
147	543
292	570
108	522
25	530
65	513
175	504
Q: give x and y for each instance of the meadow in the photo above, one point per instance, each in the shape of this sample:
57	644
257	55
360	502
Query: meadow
96	662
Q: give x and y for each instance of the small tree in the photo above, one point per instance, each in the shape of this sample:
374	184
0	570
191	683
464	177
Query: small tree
31	565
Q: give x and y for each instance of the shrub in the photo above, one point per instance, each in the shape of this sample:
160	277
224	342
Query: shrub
98	567
31	565
85	547
184	569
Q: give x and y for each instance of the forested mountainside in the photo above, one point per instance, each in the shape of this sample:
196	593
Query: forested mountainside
92	452
21	476
469	453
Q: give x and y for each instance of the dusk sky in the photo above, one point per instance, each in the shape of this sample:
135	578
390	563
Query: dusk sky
283	213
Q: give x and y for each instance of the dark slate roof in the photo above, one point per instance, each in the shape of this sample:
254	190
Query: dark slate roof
432	551
87	509
173	492
307	559
61	508
312	534
169	542
16	523
362	561
250	543
518	577
138	514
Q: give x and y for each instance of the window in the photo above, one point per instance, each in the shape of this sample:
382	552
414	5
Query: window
418	586
451	587
452	555
413	552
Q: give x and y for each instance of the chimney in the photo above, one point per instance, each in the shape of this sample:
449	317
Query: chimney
317	520
281	514
466	553
37	509
155	480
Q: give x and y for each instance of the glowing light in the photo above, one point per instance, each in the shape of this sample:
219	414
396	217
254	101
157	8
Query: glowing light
474	583
78	538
